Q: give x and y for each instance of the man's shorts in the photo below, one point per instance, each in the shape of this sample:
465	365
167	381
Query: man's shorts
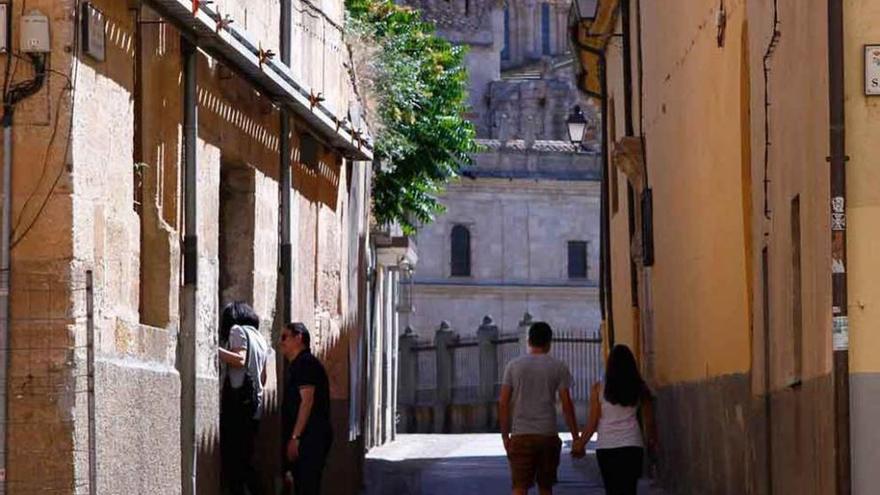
534	458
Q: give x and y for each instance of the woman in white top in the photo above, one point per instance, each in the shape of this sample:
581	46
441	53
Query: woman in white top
614	410
243	351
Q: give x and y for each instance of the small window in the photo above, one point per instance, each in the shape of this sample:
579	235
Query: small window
578	252
461	251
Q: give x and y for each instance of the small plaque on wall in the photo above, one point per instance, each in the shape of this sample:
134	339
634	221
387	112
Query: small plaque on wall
872	70
93	32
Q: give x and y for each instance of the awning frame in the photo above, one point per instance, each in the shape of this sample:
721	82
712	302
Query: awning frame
235	49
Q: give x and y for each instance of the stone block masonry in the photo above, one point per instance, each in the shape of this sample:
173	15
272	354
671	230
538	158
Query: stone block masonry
97	187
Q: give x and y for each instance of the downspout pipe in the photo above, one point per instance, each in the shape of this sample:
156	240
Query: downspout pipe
605	284
629	126
285	175
5	286
838	159
605	228
187	341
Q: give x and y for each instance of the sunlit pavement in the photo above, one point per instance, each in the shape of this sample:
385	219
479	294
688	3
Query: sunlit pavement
453	464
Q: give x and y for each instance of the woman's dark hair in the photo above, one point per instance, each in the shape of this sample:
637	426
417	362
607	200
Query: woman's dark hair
623	382
237	313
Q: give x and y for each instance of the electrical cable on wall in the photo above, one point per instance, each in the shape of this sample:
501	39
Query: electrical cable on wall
18	233
771	48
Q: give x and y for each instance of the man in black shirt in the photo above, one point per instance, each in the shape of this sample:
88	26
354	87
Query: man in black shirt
306	429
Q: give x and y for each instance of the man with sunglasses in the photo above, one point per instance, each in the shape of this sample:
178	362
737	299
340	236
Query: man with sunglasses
306	430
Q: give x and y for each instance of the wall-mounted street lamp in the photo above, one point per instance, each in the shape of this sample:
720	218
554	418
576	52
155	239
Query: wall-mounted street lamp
587	9
577	125
405	287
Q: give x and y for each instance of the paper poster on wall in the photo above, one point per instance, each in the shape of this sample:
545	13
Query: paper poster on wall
840	333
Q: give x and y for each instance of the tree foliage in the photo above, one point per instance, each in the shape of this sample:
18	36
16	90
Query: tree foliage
418	82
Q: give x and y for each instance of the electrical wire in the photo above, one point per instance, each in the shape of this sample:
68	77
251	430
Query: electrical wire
72	88
771	48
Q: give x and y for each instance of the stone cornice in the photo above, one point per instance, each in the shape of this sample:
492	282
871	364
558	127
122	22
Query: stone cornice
590	189
578	292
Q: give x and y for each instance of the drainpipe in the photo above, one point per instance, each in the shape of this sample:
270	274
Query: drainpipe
13	97
838	160
630	131
606	222
285	179
187	339
5	285
605	286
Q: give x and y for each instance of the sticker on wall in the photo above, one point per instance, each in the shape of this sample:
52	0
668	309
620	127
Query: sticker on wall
872	70
840	333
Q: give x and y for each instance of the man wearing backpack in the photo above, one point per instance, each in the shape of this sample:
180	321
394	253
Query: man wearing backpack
244	353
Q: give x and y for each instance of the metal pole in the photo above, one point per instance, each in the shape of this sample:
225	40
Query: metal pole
5	280
187	343
285	178
839	311
605	228
90	336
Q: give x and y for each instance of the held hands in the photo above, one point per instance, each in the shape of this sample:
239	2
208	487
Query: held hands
292	449
579	447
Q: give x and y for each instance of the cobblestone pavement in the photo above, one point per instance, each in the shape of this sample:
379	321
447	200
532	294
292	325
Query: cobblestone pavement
468	464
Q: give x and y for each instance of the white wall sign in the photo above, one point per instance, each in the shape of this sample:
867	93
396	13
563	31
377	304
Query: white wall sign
872	70
93	32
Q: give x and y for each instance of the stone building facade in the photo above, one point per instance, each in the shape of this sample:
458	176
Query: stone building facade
525	215
146	193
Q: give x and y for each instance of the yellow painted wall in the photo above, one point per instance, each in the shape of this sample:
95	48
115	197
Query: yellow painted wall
796	166
693	148
863	189
624	329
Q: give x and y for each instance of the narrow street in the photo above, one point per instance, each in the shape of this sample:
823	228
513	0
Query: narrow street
468	464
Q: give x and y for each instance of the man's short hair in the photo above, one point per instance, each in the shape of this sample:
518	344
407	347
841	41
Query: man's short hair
300	328
540	334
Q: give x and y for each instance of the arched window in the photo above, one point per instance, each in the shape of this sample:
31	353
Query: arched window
461	251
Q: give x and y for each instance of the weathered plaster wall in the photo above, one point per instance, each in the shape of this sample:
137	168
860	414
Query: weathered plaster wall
862	202
705	143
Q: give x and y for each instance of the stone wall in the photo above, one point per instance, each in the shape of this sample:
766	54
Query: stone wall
108	201
519	232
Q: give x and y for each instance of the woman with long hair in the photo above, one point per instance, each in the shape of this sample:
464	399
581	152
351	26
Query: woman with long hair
615	404
244	354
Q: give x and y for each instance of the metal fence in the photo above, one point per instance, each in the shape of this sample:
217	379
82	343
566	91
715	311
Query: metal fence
476	364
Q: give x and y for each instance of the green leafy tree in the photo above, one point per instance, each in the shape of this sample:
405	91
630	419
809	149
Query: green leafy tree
418	87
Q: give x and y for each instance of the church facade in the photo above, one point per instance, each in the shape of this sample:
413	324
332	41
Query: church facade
520	233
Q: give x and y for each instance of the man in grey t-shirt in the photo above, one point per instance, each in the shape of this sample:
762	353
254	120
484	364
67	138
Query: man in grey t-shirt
528	398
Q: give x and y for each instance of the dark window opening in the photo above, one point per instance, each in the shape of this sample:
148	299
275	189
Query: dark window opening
461	251
545	28
505	52
578	256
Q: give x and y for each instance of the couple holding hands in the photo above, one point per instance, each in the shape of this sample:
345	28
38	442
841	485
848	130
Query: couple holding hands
527	414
